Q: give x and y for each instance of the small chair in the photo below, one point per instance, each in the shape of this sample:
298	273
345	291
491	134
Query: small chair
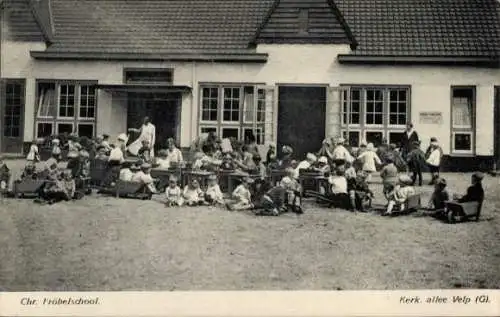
459	212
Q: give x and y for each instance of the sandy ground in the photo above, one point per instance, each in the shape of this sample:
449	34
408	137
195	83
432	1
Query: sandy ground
102	243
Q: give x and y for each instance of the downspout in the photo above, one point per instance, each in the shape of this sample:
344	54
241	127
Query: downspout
194	97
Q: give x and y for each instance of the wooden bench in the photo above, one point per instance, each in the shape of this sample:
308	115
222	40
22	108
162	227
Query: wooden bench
133	190
459	212
276	176
310	181
28	188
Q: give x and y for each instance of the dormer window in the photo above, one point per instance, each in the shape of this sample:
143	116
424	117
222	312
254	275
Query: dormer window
303	21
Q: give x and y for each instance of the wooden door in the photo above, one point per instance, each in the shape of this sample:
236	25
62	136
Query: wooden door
301	118
12	116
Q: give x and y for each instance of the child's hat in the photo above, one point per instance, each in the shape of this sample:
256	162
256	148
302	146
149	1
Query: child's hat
56	141
84	153
327	141
311	157
122	137
405	180
212	177
172	178
340	140
478	175
287	149
145	166
249	180
323	160
370	146
134	167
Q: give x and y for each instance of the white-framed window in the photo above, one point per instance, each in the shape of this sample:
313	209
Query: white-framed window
64	105
232	110
67	98
463	104
210	104
375	114
87	102
231	104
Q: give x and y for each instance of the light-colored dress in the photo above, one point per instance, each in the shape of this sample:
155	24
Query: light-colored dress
174	195
163	163
338	184
369	159
341	153
215	193
33	154
126	175
192	195
303	165
175	156
434	158
148	132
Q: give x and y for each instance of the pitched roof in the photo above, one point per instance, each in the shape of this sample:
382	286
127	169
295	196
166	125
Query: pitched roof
323	24
445	28
20	23
452	28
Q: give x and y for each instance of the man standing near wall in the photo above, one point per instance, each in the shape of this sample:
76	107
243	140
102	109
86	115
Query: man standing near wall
408	139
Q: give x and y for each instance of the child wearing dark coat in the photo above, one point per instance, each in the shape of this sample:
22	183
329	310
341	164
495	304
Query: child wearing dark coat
360	194
475	192
439	197
416	163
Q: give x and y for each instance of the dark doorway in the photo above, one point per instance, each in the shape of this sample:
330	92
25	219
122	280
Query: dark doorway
163	109
497	126
12	115
301	118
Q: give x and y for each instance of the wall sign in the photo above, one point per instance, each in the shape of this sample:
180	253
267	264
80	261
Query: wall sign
431	117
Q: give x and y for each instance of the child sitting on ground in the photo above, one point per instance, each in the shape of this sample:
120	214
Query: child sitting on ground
293	190
416	163
126	173
389	175
173	193
62	189
370	160
475	192
193	194
5	175
33	154
270	200
144	177
162	160
360	194
400	194
338	189
439	197
213	194
241	196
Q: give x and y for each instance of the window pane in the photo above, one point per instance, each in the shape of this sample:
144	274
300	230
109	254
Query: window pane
463	142
374	137
462	107
230	133
12	110
393	119
47	102
64	128
209	104
355	118
396	138
208	130
352	138
231	104
86	130
393	107
44	130
379	118
355	107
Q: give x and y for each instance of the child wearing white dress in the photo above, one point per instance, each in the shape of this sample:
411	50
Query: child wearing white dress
33	154
305	165
213	194
56	148
434	159
193	194
293	191
162	160
144	177
127	173
173	193
400	194
242	198
369	160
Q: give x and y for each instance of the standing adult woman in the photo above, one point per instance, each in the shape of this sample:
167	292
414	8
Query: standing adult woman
147	132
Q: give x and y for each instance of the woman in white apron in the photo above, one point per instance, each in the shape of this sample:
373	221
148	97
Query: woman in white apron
147	132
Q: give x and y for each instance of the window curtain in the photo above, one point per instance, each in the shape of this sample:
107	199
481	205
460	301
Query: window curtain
462	112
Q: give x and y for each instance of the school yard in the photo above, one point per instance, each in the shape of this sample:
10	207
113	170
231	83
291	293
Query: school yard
109	244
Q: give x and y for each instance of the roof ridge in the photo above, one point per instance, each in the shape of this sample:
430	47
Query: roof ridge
343	22
45	22
254	38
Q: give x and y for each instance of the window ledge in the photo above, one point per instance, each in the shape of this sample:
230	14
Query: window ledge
461	155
